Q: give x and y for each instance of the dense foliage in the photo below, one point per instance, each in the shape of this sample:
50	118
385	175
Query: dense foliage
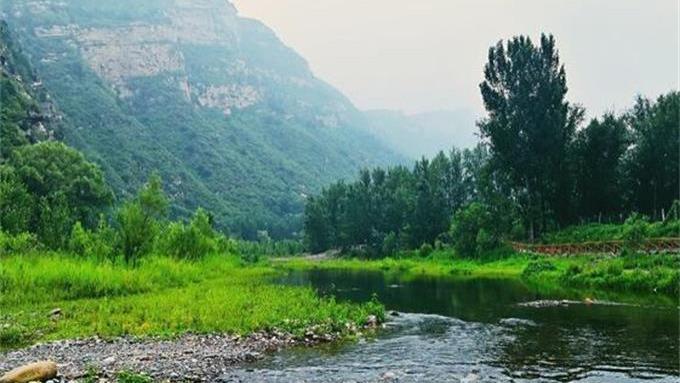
46	187
386	208
536	171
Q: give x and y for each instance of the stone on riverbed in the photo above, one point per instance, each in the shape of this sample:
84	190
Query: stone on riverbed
517	322
548	303
39	371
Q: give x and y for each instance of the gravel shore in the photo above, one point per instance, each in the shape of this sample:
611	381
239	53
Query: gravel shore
186	358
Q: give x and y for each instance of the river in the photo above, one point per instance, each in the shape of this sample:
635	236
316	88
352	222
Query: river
476	330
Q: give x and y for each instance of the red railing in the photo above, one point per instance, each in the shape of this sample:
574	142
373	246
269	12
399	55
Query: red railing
607	247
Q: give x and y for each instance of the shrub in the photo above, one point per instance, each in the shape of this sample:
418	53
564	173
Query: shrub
485	241
20	243
191	241
99	244
636	230
139	219
390	244
615	268
473	230
425	250
538	266
573	270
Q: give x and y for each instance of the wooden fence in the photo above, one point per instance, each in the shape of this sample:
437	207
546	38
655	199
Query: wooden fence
606	247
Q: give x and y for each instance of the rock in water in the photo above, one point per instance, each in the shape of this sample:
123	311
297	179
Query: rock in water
40	371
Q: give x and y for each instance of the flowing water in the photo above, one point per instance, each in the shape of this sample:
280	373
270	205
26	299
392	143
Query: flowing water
476	330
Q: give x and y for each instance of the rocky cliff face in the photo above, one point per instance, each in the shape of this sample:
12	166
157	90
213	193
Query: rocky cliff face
244	57
230	115
26	112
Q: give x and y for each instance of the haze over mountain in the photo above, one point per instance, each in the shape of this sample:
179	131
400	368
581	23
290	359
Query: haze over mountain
424	134
231	118
419	56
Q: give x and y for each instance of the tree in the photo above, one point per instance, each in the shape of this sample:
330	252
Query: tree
530	125
430	216
653	163
46	188
51	169
139	219
16	203
316	226
599	149
473	230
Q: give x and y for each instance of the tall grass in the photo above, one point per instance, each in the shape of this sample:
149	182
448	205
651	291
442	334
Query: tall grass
160	296
40	277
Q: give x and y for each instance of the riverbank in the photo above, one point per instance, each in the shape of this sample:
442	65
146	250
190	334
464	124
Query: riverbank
636	273
189	357
47	297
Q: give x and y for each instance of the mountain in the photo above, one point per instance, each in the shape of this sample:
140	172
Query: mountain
26	114
423	134
232	119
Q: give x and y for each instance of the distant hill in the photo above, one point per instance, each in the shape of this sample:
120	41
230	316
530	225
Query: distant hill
232	119
423	134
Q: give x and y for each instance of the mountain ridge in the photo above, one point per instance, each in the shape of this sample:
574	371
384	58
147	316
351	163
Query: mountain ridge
234	120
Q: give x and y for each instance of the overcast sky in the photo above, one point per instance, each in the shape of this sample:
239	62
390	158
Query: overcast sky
420	55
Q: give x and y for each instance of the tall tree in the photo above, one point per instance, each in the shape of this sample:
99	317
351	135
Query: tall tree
654	159
530	125
599	149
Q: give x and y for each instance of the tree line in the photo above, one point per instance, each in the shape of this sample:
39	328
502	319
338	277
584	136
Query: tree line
52	198
538	168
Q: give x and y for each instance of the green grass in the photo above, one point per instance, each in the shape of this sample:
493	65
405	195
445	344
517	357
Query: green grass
160	297
439	263
610	232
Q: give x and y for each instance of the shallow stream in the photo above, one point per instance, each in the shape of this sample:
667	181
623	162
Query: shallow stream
477	330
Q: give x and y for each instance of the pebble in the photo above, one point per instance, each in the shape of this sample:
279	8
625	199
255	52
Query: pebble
188	357
108	361
56	312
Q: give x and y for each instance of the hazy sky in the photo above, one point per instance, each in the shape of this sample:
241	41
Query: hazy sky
418	55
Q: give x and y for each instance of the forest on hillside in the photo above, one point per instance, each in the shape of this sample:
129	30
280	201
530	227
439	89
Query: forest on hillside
539	168
232	119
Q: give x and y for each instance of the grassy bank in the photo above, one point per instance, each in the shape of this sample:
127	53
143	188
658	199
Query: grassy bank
439	263
629	273
159	297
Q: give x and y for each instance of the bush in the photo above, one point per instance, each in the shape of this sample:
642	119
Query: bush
573	270
485	241
139	220
99	244
191	241
473	231
425	250
636	230
20	243
538	266
390	245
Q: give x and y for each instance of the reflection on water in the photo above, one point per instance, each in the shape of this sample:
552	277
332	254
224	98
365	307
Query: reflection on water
473	330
